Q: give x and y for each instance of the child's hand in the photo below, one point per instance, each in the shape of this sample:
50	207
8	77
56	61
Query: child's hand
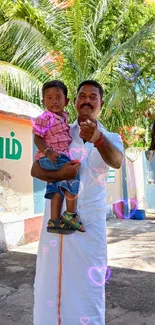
52	155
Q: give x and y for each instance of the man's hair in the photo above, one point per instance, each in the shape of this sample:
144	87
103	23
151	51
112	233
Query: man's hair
55	83
93	83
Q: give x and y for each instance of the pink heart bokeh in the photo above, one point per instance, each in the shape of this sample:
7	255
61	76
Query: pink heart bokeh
128	129
50	303
98	178
74	153
120	214
45	249
43	129
53	243
84	320
92	271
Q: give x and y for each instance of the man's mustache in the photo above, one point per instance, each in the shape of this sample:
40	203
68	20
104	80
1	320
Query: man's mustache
85	104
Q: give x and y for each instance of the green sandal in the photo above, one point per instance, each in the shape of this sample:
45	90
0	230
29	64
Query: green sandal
73	221
57	227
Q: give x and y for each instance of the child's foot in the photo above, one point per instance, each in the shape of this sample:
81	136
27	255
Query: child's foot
58	227
73	221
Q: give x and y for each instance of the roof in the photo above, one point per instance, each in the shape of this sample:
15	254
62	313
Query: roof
17	107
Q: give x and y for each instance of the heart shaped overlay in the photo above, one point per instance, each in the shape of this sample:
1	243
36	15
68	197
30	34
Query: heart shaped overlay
84	320
45	249
124	68
50	303
98	178
72	183
53	243
74	153
95	269
128	130
42	128
120	214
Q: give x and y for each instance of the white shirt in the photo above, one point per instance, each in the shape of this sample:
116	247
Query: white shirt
93	173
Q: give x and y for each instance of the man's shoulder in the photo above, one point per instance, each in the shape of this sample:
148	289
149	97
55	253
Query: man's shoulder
113	137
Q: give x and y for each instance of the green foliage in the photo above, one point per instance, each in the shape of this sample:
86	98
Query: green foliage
89	39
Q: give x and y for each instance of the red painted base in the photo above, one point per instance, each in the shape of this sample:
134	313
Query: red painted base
32	229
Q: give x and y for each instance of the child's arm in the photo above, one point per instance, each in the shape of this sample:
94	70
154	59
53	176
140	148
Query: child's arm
42	146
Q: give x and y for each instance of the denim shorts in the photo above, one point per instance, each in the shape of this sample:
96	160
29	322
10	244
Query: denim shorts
71	186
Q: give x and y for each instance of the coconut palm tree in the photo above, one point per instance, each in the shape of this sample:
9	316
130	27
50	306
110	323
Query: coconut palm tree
52	39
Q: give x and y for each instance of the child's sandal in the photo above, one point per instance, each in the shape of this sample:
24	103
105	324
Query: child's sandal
57	227
73	221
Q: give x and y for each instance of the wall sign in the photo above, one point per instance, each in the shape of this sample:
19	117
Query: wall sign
10	148
111	177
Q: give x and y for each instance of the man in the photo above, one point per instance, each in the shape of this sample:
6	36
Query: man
71	270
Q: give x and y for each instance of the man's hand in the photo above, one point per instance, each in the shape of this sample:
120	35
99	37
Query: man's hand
89	131
68	171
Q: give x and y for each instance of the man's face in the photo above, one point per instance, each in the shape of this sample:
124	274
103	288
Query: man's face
88	102
55	100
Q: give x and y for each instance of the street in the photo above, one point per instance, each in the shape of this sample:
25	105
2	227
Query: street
130	290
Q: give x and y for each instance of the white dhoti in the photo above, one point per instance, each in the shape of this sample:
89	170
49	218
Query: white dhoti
70	277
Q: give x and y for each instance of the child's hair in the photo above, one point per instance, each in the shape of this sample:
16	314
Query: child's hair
55	83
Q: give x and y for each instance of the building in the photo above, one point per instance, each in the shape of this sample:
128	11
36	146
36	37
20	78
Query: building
21	197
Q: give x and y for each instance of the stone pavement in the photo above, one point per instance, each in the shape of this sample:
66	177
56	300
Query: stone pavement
130	291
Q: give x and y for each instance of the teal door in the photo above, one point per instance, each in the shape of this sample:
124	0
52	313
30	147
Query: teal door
149	179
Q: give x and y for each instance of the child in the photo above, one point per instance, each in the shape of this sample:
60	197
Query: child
52	138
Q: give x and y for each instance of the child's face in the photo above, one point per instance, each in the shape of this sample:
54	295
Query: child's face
54	100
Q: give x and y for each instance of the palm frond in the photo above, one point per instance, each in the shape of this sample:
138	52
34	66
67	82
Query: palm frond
47	40
99	11
19	83
131	44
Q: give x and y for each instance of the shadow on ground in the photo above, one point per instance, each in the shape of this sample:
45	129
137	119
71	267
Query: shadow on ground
126	229
17	271
130	294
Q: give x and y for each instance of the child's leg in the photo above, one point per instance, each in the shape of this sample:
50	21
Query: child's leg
56	205
71	202
55	225
70	216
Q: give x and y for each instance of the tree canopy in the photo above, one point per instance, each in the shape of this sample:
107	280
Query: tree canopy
109	41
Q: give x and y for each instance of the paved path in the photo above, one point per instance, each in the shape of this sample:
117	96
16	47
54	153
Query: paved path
130	291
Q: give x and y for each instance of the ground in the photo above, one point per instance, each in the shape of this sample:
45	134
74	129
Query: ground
130	290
